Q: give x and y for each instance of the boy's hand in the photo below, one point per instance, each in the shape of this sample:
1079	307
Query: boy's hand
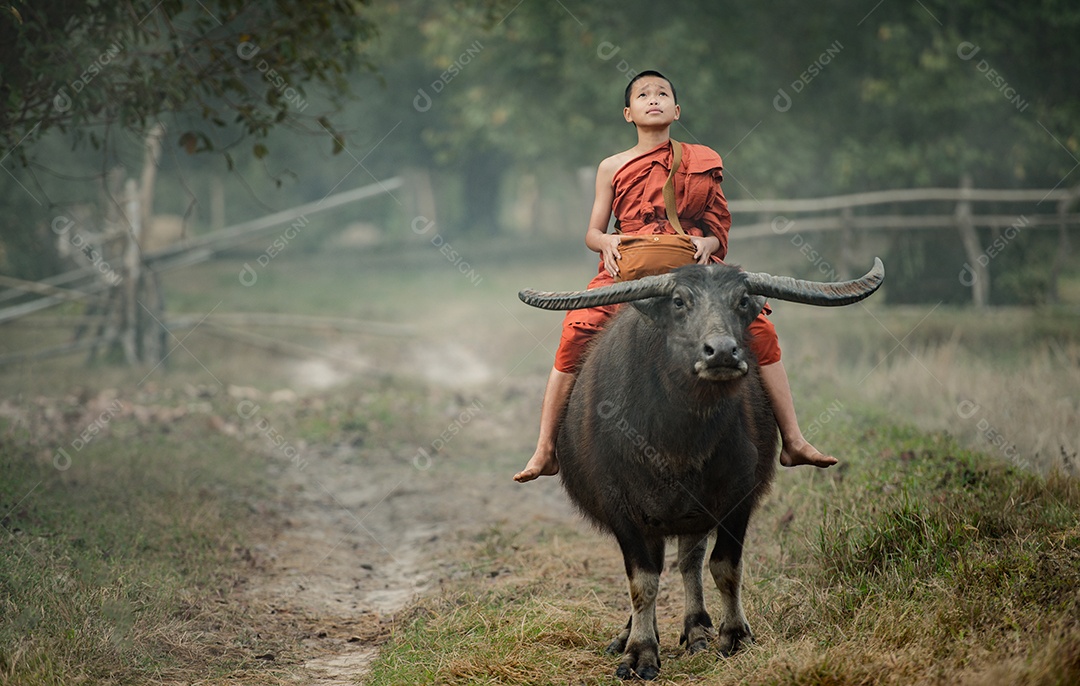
706	246
609	250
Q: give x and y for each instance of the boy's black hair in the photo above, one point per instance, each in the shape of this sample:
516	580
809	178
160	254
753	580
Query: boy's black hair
641	75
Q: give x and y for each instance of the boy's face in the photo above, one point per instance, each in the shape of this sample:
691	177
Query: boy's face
651	103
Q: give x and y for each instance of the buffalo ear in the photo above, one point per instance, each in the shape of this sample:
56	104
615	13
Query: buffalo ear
757	304
654	309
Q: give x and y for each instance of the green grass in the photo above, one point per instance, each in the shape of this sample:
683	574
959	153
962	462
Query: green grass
111	565
119	569
917	560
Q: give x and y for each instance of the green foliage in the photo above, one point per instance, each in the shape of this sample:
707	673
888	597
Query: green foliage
885	96
1021	273
90	67
904	97
899	101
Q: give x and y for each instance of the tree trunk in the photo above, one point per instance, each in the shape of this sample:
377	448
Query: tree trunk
482	183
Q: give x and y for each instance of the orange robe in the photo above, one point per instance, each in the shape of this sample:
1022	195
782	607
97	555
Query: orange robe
638	207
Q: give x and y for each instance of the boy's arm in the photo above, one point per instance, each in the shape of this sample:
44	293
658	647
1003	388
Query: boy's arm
596	236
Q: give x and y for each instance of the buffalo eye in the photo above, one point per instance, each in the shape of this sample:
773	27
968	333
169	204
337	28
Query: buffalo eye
678	302
744	303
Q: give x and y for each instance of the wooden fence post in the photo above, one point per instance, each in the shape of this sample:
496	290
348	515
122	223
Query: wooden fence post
977	264
1064	247
847	239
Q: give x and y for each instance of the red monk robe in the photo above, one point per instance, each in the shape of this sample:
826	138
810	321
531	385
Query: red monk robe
638	207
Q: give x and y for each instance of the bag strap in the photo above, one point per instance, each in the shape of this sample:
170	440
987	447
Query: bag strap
669	187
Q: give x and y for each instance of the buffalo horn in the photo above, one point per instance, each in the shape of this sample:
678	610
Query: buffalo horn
814	293
758	283
646	287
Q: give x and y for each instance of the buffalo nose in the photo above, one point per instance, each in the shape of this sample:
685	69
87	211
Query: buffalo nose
721	350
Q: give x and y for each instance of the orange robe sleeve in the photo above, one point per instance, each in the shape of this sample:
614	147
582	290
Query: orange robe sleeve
702	202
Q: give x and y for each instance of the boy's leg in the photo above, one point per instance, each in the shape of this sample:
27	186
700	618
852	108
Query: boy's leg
796	449
543	462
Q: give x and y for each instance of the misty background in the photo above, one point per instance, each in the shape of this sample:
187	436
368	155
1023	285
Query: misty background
265	376
498	113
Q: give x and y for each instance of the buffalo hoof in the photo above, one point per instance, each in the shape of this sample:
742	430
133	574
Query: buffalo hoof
647	673
734	637
642	662
697	646
697	631
618	646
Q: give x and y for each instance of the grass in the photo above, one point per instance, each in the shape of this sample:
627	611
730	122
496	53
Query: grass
1002	382
917	561
115	565
120	568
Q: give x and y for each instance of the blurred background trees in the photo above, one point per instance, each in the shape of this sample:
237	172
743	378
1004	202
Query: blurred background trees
503	104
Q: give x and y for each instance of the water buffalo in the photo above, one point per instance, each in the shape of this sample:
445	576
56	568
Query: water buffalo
668	432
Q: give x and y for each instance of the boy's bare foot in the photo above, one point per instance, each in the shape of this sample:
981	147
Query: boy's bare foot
542	463
804	453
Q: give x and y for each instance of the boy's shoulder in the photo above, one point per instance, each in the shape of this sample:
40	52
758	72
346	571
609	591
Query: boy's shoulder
699	158
699	151
701	154
617	160
610	165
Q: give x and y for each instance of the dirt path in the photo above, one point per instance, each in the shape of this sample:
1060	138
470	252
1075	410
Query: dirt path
352	543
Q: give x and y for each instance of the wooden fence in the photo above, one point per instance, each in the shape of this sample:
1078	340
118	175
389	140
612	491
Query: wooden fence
1036	209
128	311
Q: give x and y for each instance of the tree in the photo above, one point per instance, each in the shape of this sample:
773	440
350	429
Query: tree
94	67
79	78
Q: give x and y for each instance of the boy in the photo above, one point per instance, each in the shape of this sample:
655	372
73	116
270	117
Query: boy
630	184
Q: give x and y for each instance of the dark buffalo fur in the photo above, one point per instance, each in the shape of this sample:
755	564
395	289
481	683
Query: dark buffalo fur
649	450
647	445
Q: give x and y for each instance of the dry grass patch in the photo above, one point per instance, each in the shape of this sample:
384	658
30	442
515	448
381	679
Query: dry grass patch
916	562
1003	381
117	567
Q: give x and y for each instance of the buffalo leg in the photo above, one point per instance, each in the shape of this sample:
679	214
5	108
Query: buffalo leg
644	559
726	567
697	625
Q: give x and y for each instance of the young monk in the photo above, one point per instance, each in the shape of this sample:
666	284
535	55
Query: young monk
630	184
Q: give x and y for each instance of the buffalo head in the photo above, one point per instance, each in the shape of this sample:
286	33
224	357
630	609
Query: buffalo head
705	310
